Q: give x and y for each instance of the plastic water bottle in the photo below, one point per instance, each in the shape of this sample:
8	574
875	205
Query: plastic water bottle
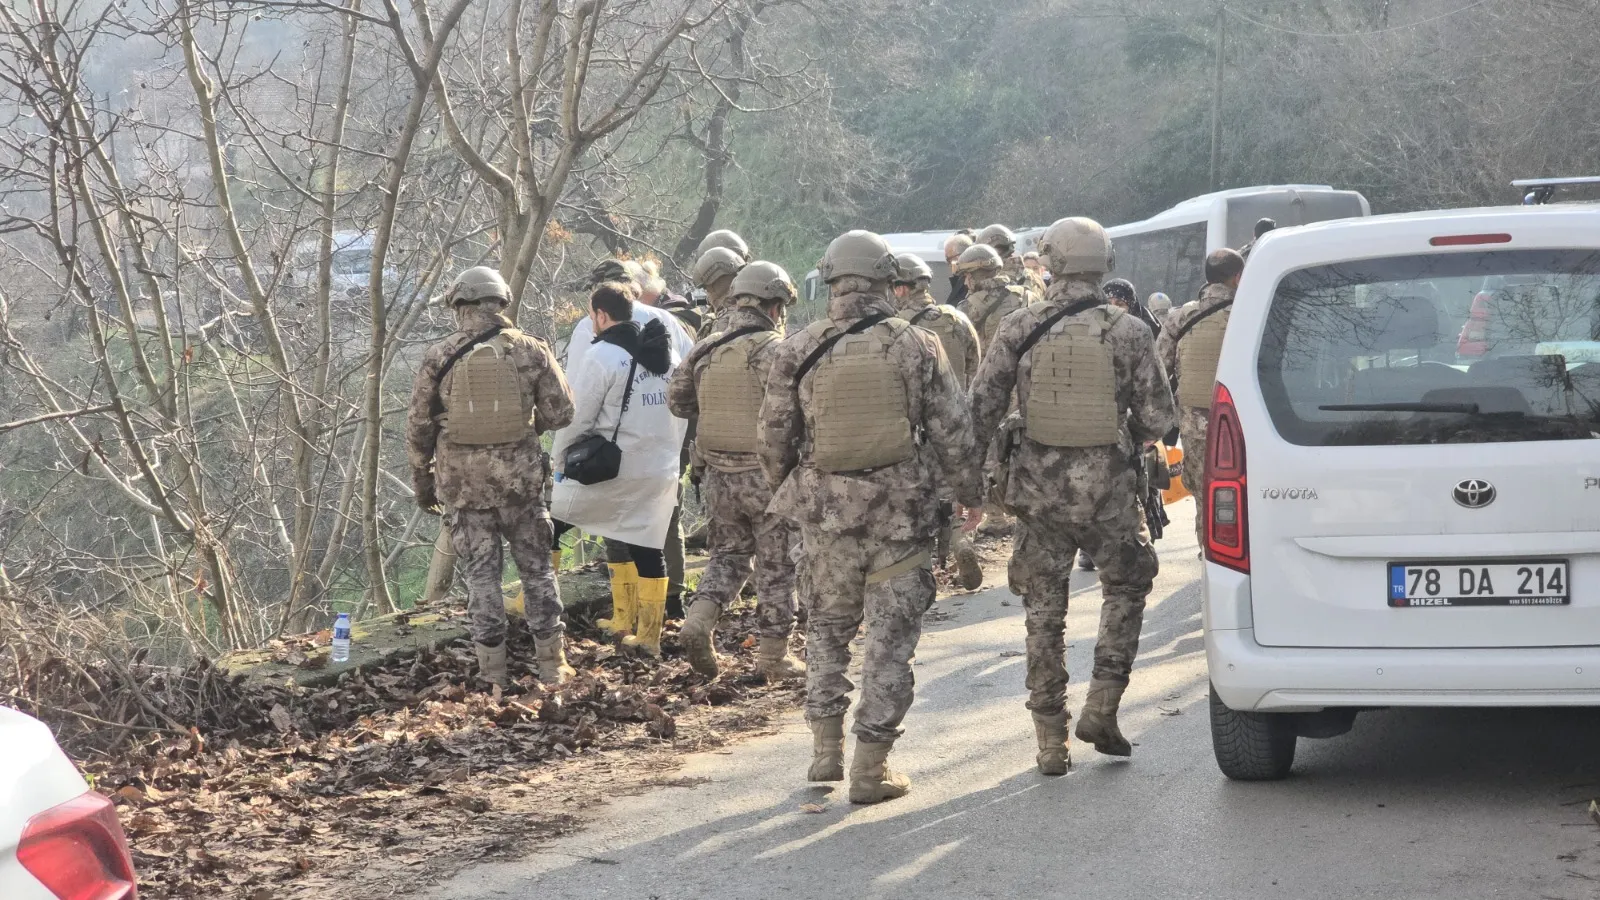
341	638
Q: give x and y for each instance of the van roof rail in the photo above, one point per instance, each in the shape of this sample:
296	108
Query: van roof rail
1536	191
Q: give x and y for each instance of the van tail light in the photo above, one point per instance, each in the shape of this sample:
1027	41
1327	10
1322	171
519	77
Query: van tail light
1474	339
78	852
1227	517
1467	240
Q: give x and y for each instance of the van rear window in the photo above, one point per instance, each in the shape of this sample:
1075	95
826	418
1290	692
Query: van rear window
1436	349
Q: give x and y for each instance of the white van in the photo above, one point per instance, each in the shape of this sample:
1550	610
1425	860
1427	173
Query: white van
351	272
1404	511
1167	251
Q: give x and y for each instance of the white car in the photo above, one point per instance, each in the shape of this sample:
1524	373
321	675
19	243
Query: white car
58	839
1404	475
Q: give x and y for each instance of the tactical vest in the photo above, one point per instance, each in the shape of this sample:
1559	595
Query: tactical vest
942	321
986	315
1198	353
859	405
708	325
483	396
1072	390
730	395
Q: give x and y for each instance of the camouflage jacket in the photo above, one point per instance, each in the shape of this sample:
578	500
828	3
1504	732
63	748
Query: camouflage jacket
897	502
1073	484
970	349
483	477
990	303
1024	277
1167	348
683	393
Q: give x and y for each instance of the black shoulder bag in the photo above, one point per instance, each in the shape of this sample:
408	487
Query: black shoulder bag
595	458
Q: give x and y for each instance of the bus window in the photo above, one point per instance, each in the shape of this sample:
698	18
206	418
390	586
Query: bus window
1189	262
1170	260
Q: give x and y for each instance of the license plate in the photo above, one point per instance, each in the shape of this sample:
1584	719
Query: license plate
1540	582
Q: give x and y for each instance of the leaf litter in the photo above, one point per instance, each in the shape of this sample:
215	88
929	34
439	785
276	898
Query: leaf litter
396	776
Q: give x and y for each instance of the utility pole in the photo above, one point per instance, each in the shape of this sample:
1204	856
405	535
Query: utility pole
1216	100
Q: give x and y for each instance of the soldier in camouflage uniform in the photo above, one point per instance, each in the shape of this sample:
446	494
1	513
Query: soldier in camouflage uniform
722	383
960	342
991	294
1190	341
1091	394
1004	243
846	400
486	470
720	256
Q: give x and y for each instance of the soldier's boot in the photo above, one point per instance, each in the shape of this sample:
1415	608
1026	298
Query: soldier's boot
827	749
1055	755
652	612
492	664
1098	722
870	778
550	655
969	572
774	660
699	627
624	599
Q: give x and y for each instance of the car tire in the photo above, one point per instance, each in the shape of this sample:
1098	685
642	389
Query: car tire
1251	746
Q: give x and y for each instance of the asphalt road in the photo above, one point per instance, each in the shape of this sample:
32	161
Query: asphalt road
1418	804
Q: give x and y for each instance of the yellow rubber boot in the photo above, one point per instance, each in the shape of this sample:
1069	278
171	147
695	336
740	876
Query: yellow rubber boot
652	611
624	599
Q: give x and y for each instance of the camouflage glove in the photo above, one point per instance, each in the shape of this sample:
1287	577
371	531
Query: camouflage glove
427	496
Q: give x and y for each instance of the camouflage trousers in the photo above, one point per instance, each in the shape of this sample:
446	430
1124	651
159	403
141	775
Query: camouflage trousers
741	531
476	534
855	580
1041	564
1192	427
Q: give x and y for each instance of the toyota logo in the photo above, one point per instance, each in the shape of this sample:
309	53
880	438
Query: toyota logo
1474	494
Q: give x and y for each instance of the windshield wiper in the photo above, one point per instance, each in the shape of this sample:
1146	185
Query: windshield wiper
1468	409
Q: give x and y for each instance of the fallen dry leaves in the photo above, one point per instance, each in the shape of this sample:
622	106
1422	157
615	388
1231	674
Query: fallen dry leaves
393	777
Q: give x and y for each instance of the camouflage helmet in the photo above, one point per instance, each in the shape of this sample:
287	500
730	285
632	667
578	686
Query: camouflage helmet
912	268
1159	303
859	253
715	264
477	284
613	269
1076	246
998	236
978	258
725	239
765	281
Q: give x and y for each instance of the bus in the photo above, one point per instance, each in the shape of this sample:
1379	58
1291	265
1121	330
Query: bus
1167	251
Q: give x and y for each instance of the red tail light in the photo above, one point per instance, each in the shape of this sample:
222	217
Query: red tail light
1463	240
78	852
1474	339
1227	519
